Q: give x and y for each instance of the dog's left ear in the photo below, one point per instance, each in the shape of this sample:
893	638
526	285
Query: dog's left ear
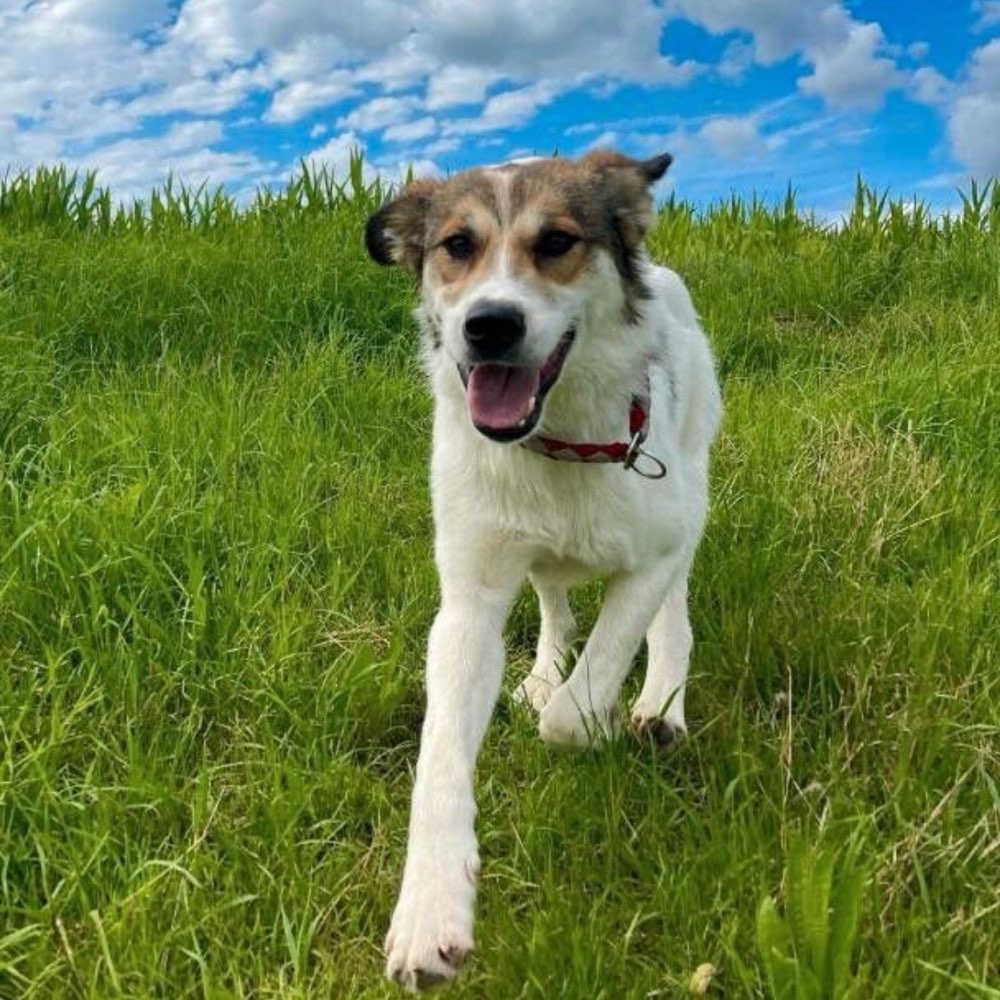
396	233
625	184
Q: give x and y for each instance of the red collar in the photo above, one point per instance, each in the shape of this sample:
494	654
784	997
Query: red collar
627	453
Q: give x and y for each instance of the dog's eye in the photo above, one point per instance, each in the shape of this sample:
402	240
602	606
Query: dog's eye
459	246
555	243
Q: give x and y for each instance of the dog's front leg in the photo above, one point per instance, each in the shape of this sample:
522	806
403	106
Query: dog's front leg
584	708
431	929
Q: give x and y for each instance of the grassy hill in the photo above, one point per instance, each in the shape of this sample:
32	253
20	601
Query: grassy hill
216	583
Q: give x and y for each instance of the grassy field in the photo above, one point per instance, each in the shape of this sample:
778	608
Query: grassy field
216	582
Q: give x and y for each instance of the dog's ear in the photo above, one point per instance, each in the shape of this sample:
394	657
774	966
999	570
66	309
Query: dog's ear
625	185
395	234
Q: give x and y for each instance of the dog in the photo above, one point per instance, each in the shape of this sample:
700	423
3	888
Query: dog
575	400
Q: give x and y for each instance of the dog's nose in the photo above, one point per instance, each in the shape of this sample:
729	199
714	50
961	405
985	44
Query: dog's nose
492	329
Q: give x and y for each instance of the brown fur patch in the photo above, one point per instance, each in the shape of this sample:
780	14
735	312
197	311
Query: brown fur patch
470	209
522	240
395	234
602	199
607	195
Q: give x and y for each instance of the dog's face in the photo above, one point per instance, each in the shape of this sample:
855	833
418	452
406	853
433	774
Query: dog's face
508	258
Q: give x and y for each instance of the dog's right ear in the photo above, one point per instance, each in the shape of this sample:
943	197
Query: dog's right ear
396	233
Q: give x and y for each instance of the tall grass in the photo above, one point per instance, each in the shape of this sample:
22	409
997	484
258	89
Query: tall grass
54	198
215	584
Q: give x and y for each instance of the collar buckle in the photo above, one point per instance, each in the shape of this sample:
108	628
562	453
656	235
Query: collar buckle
635	453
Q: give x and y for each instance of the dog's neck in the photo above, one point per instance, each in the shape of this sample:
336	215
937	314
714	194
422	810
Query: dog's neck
591	400
592	405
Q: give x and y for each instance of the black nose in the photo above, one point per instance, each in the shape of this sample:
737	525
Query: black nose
492	329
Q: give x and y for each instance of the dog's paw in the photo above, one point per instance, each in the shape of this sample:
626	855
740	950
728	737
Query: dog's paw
535	692
431	932
564	723
664	733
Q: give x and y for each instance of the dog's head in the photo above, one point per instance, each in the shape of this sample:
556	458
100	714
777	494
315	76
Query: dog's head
509	258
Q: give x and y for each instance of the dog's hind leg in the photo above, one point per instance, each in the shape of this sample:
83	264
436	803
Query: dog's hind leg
558	627
584	708
659	709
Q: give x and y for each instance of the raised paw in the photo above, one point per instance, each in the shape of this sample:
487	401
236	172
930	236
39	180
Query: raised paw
431	933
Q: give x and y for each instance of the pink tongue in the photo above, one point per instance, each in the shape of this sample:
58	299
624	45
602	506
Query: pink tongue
499	396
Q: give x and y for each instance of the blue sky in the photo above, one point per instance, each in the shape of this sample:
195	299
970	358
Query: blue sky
749	95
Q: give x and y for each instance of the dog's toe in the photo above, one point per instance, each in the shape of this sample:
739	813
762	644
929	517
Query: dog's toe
423	972
426	979
661	733
534	692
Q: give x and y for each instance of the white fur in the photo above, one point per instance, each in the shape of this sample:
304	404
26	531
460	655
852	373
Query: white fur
503	514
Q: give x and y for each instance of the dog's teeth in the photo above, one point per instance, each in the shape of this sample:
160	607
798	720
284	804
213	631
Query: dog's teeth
531	409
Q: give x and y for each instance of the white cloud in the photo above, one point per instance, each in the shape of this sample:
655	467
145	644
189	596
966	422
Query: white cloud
207	95
928	86
318	32
989	14
570	38
422	128
583	128
294	101
380	113
82	74
41	69
442	146
847	67
733	137
779	28
96	70
638	143
132	166
608	139
335	155
509	109
974	114
89	80
848	72
736	60
456	85
404	66
396	171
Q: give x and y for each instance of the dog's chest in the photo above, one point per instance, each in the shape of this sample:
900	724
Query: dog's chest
573	520
578	540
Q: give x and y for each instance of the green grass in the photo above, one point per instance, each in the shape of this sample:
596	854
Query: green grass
216	583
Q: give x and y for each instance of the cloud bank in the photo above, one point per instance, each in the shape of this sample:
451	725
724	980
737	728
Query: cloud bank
236	91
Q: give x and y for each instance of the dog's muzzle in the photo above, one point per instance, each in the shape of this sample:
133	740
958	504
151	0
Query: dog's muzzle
505	400
493	331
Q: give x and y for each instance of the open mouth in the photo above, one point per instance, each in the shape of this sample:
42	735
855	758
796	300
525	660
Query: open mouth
505	401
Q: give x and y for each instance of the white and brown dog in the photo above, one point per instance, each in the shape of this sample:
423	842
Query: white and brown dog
575	400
